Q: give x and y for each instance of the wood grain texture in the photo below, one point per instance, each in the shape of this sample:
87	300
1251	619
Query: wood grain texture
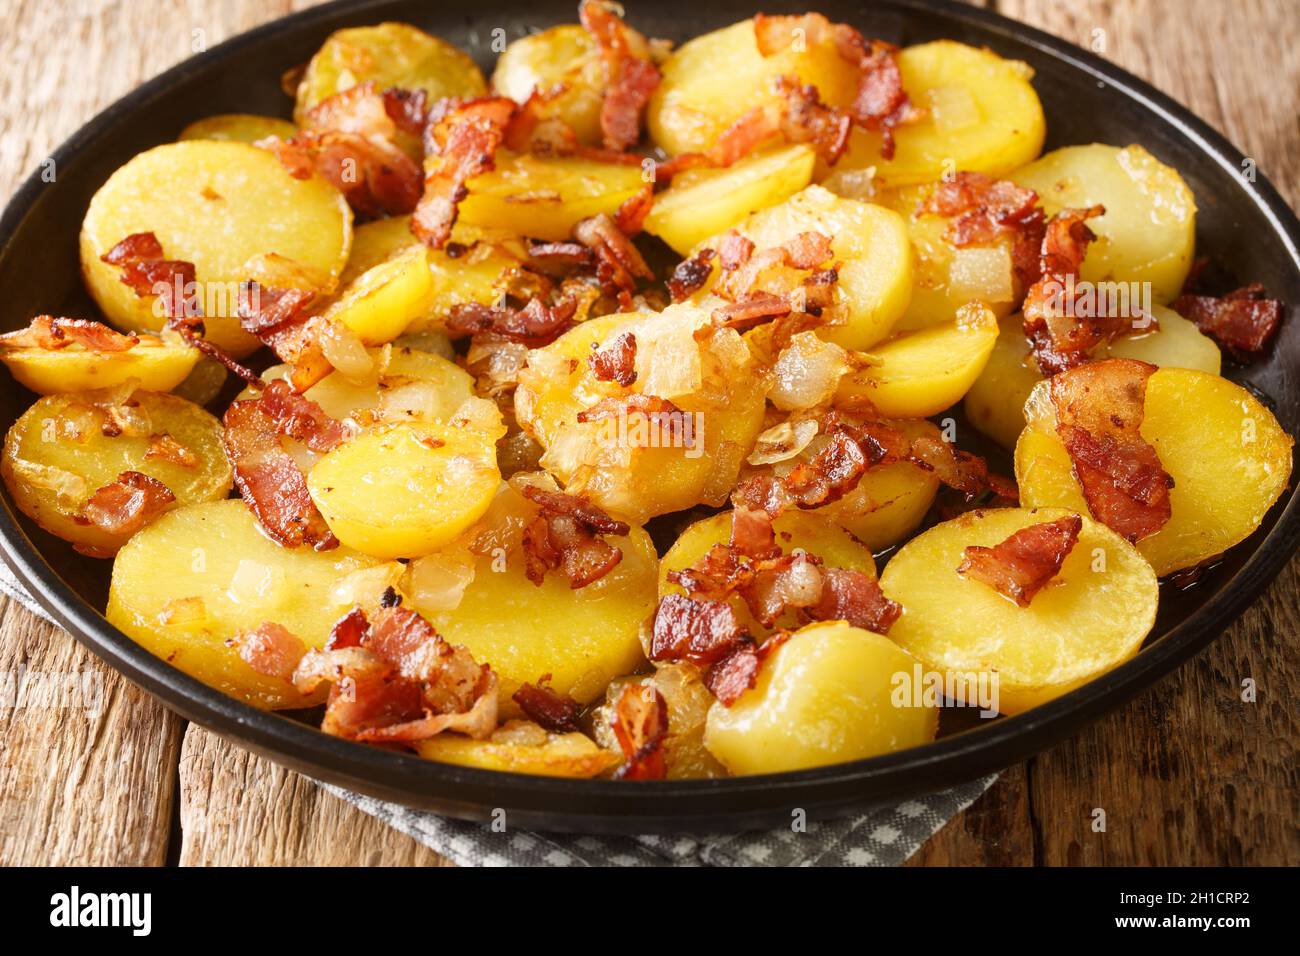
1189	773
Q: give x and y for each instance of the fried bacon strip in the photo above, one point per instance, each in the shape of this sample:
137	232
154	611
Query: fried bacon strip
126	504
640	726
797	115
616	362
629	80
742	271
52	333
1099	409
982	209
619	263
1023	564
140	257
1244	321
268	478
565	536
558	713
348	139
270	649
535	325
1058	337
400	683
279	319
464	137
690	275
700	631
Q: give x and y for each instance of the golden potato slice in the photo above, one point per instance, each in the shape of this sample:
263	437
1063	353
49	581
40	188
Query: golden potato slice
921	373
1227	454
995	404
57	455
944	278
520	746
795	530
1148	233
982	116
187	583
706	202
626	460
238	128
413	385
155	365
381	302
389	54
217	205
565	64
480	274
546	196
714	79
1090	618
402	490
872	256
826	696
583	638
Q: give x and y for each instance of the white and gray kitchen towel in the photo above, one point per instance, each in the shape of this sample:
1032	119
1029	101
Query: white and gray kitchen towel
884	836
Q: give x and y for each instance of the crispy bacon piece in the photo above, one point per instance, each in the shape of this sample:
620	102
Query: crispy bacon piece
401	683
733	675
126	504
52	333
564	535
716	576
792	581
1023	564
348	630
751	532
408	109
1099	410
618	262
140	257
558	713
700	631
279	319
464	136
629	80
535	325
167	448
559	257
640	725
268	478
270	649
983	208
1058	338
617	362
850	595
690	275
1243	321
752	310
632	212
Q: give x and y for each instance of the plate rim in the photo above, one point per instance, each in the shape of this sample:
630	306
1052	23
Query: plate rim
626	806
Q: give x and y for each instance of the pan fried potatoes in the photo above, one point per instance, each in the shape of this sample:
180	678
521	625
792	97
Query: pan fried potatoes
575	454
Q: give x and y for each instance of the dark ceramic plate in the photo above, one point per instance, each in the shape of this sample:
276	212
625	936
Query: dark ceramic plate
1245	226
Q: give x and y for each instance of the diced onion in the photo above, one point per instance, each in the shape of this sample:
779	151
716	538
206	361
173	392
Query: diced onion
807	373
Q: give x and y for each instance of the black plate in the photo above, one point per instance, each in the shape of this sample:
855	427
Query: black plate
1244	225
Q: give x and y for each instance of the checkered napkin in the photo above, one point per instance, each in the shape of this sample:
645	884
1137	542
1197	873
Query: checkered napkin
883	836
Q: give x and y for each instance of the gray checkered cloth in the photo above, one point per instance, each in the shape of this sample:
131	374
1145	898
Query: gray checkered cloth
884	836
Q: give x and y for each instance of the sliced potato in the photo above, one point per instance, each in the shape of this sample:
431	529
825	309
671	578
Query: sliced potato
711	81
238	128
1089	619
1148	233
187	583
795	530
583	638
546	196
995	404
155	365
523	747
402	490
982	115
381	302
626	462
706	202
219	206
389	54
564	65
922	373
1227	454
825	696
871	254
57	455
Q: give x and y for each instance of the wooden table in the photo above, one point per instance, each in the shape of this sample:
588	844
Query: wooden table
1187	773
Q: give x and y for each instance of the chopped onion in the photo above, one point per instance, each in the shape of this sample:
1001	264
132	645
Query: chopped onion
807	373
70	490
982	274
365	588
437	582
343	350
782	442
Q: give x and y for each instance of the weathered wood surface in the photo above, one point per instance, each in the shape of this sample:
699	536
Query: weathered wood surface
1188	773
